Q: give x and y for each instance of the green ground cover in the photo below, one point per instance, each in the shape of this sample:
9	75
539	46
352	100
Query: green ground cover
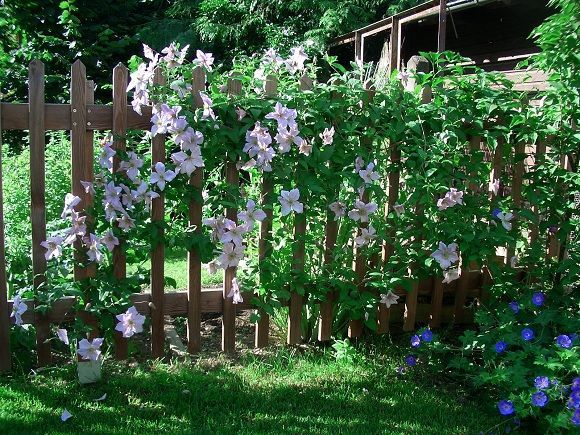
288	391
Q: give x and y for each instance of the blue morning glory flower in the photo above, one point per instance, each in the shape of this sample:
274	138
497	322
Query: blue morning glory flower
539	399
564	341
538	299
415	341
505	407
515	307
527	334
542	382
501	346
411	360
575	399
576	418
576	384
427	336
495	212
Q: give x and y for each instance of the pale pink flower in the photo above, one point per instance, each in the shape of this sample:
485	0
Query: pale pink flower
174	56
305	148
272	57
78	228
369	175
286	137
106	156
235	293
207	107
109	240
251	214
505	219
366	236
327	136
451	198
94	248
89	187
90	350
399	209
451	275
241	113
180	87
212	267
53	247
218	225
112	195
362	211
289	201
514	261
131	166
187	163
126	222
193	142
130	322
70	202
359	163
161	176
389	299
231	255
18	309
296	60
282	115
234	233
62	335
446	255
204	59
338	208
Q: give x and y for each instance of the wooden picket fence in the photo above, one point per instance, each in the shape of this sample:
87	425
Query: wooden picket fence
82	117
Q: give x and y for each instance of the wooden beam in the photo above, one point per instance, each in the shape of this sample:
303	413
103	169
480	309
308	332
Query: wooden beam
442	25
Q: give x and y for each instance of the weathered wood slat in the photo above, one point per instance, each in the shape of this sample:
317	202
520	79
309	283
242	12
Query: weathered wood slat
516	194
234	87
436	303
5	355
326	307
15	116
37	198
120	80
538	159
195	218
158	250
264	244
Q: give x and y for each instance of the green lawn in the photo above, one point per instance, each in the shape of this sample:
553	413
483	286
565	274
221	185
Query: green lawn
176	268
284	392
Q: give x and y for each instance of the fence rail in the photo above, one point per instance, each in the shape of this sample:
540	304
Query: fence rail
82	117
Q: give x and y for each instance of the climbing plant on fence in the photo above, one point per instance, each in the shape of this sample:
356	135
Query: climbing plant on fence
334	198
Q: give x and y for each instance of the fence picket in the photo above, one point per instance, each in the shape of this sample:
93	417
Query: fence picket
5	354
37	199
120	80
297	299
193	258
158	249
538	159
234	87
265	245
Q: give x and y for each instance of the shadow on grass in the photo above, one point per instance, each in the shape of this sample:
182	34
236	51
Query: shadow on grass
320	399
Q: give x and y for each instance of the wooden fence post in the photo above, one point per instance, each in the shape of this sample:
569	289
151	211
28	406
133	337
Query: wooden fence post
37	199
158	252
195	217
229	309
120	81
265	245
297	299
5	355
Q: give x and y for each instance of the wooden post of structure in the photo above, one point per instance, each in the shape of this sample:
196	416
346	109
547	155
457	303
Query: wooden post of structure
265	244
120	81
158	253
5	355
195	215
442	25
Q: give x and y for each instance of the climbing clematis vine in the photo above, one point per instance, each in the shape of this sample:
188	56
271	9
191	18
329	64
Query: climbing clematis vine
231	255
161	176
130	322
235	292
53	246
446	255
251	214
362	211
18	309
90	350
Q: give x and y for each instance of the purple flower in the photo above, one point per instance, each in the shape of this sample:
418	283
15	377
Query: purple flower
576	418
427	336
538	299
411	360
527	334
505	407
415	341
574	399
515	307
501	346
539	399
542	382
564	341
576	384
